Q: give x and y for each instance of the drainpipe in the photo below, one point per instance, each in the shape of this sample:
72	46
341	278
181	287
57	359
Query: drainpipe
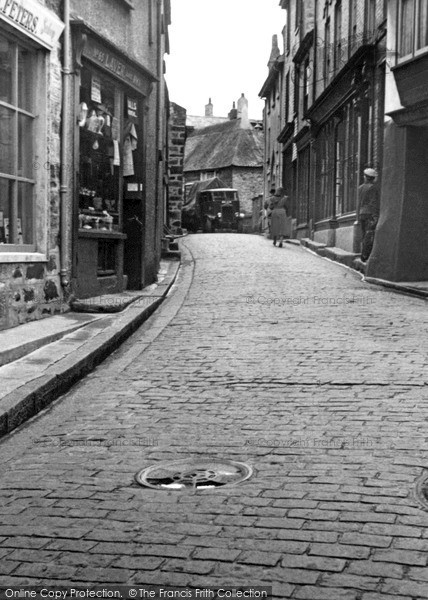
159	133
66	73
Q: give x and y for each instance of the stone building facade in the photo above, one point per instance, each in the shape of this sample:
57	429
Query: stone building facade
273	117
401	242
120	152
177	140
331	112
30	158
82	205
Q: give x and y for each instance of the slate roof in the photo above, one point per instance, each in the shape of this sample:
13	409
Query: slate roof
224	145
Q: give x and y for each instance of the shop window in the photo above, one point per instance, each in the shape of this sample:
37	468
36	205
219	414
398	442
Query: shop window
17	116
339	159
325	171
345	163
100	154
350	160
303	183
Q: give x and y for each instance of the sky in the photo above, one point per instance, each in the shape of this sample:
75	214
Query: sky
219	49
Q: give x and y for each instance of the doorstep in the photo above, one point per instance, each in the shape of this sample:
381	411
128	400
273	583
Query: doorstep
415	288
339	255
311	245
352	260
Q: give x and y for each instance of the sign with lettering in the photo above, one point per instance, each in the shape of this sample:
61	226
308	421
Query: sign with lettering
116	65
96	89
131	105
34	20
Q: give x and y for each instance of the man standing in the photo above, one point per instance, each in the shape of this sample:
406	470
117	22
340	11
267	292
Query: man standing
368	202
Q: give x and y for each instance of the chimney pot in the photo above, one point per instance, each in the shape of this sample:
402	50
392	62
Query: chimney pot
209	109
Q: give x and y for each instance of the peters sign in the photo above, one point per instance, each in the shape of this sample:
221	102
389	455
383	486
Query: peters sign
32	19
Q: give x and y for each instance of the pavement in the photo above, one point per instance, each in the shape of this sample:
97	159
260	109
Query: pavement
272	357
352	260
42	359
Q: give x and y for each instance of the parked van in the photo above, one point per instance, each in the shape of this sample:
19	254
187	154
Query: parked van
212	208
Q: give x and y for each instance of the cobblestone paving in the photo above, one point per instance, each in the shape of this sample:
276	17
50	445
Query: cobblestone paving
270	356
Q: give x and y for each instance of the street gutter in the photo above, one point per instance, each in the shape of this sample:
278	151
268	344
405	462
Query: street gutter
38	392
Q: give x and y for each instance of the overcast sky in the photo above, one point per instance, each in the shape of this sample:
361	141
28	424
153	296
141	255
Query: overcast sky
220	49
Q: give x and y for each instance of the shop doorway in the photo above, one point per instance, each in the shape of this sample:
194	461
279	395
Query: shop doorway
133	227
133	193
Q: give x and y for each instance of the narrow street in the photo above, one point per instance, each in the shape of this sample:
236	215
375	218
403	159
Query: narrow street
269	356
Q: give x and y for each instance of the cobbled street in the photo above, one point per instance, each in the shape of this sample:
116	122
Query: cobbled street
272	357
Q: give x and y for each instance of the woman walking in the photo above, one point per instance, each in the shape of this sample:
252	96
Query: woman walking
279	216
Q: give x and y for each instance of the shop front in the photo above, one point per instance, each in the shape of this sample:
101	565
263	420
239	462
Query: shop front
400	248
110	154
29	157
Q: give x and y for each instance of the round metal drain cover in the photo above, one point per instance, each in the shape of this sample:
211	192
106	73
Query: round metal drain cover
193	474
421	490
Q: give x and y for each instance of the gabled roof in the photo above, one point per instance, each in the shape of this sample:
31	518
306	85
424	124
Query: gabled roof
224	145
200	122
274	73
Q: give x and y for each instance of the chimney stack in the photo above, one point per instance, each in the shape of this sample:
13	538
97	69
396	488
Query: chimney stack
243	112
274	52
233	114
209	109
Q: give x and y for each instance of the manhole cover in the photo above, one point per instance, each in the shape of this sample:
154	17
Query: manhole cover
193	474
421	490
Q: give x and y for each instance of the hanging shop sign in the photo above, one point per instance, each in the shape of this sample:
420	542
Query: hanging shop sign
32	19
112	62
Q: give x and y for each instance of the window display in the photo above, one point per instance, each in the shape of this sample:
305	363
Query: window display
98	119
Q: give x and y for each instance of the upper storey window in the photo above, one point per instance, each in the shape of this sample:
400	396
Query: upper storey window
412	28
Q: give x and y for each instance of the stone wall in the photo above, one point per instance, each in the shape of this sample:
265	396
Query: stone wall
177	140
249	183
29	291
